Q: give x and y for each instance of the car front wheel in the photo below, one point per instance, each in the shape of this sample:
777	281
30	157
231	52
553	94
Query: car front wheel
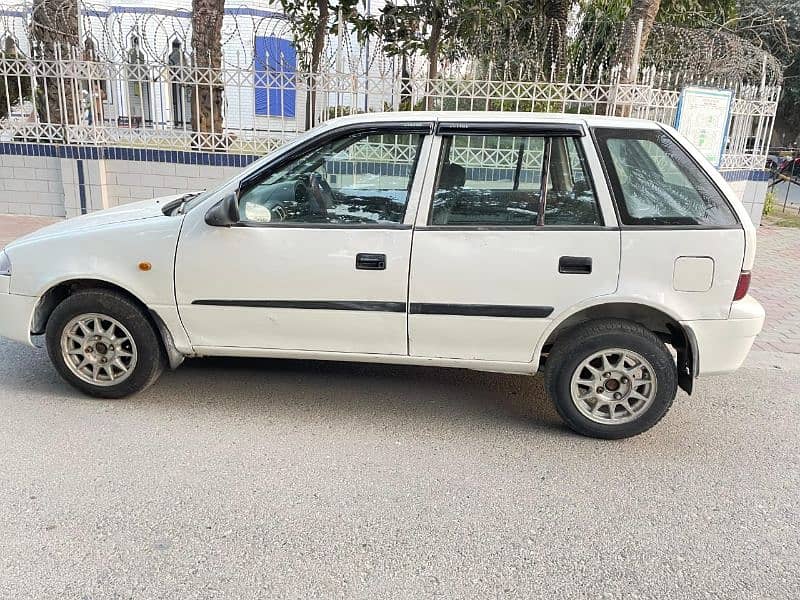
611	379
103	344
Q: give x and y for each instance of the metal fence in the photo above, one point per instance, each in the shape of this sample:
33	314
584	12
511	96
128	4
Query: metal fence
133	84
151	105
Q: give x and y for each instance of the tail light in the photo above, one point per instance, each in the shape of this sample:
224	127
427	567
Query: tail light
742	285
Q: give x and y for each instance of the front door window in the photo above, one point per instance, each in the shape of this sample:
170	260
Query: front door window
364	178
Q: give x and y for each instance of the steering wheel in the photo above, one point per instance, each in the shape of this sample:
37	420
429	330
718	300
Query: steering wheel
321	195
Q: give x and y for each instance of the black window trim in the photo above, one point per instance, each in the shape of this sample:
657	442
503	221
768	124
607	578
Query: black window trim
311	225
666	227
546	131
505	128
553	228
425	128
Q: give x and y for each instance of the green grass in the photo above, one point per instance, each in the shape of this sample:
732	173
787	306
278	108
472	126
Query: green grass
779	218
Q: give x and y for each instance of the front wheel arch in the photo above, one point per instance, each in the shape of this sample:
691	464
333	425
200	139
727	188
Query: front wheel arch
61	291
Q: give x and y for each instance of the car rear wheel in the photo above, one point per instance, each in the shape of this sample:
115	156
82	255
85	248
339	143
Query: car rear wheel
103	344
611	379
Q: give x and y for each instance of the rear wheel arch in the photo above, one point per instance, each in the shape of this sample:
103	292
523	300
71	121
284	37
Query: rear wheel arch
668	329
613	379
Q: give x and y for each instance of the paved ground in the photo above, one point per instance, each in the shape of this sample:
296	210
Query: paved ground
776	284
241	479
244	479
13	226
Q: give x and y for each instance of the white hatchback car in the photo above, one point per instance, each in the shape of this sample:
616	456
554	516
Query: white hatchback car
492	241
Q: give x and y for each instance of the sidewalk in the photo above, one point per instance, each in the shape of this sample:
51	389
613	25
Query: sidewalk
14	226
776	284
776	278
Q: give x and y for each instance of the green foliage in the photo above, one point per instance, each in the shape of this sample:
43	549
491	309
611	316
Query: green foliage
303	17
697	13
429	26
769	203
399	27
596	43
306	18
342	111
788	111
776	27
510	38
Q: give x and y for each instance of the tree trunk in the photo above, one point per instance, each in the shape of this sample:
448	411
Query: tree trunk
556	15
434	41
207	18
644	11
317	48
54	30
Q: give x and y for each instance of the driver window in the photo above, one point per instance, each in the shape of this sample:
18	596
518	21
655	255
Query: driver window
364	178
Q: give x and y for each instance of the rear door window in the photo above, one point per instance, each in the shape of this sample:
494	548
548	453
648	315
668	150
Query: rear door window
655	182
513	180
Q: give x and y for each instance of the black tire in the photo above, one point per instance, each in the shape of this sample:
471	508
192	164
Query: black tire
580	343
151	358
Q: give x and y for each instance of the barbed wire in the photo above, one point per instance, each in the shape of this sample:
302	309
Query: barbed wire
520	50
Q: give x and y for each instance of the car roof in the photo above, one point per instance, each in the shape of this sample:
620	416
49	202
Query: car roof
482	116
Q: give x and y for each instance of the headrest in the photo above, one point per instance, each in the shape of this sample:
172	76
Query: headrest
453	176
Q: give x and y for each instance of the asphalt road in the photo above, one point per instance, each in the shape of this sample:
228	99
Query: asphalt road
243	479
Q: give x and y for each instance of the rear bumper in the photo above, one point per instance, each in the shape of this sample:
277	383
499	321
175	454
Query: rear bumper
722	345
16	313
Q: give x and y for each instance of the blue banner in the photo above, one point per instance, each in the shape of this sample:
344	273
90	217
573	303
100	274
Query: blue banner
275	68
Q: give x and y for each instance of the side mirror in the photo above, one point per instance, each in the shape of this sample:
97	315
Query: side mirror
225	212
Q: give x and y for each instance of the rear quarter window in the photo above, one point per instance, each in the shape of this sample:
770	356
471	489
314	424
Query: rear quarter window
655	182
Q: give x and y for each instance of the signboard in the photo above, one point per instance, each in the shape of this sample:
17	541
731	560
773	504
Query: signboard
703	117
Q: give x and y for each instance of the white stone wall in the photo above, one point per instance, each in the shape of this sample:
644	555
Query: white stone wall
31	185
94	185
753	199
752	194
129	181
49	186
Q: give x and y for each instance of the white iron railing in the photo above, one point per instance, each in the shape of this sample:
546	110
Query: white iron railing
152	104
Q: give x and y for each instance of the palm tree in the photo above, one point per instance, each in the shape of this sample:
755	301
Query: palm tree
207	18
54	30
644	11
556	14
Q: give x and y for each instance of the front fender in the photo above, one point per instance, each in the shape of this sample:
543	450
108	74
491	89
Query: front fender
111	253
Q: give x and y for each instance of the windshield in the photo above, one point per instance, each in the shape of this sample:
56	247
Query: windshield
230	184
